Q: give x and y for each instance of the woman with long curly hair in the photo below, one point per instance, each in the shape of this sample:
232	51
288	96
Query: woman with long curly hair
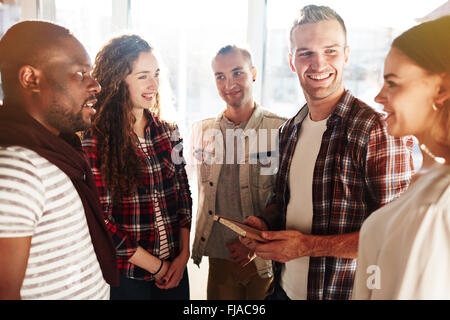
404	247
137	162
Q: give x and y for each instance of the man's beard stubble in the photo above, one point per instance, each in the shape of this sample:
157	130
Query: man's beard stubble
65	121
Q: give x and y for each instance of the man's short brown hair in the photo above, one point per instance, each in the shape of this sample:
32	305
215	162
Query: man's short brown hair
314	14
234	48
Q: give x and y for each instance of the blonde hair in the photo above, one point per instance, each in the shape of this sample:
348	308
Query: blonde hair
315	14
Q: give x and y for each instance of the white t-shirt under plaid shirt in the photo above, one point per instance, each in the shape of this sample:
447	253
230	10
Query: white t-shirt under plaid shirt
38	200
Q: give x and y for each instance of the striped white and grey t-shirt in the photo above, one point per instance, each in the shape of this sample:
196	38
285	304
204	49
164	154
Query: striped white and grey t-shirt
37	199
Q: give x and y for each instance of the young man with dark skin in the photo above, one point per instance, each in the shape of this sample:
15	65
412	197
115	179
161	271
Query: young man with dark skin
53	241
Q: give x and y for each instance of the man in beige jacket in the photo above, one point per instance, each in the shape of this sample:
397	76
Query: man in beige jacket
237	160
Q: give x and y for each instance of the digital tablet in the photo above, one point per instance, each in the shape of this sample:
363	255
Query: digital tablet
241	229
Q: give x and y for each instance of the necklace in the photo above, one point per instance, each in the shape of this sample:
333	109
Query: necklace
428	152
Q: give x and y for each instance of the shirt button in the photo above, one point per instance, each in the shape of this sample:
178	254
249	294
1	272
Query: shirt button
210	212
211	184
203	239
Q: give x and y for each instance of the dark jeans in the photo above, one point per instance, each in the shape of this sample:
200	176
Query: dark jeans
278	294
131	289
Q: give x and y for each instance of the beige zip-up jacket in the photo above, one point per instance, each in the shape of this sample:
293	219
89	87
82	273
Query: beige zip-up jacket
256	174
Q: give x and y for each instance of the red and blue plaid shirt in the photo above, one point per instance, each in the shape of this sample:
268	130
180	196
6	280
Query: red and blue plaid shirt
359	169
162	186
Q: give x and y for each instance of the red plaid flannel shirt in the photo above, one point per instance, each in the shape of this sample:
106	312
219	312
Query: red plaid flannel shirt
359	169
164	183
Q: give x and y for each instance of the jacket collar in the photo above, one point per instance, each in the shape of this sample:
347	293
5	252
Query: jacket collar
253	122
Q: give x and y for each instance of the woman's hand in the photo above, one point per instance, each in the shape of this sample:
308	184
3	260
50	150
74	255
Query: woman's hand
164	269
174	272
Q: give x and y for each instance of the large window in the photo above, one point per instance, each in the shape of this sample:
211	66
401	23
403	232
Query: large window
371	27
90	21
187	34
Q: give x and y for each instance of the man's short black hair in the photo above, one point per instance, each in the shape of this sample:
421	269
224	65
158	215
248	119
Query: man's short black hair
27	43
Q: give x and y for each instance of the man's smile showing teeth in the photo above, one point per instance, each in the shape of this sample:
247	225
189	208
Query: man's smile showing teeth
90	104
321	76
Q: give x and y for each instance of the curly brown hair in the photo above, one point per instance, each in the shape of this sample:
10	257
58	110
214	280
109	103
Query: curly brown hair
118	155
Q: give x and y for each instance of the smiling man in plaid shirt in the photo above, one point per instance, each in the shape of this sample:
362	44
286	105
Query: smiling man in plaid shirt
337	165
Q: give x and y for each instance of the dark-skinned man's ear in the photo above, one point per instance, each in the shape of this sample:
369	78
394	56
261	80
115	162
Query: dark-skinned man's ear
29	78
